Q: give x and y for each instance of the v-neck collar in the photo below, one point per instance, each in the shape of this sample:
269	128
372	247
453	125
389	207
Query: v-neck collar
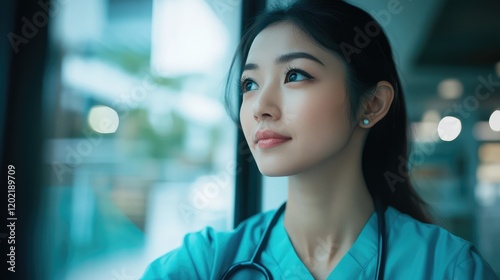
363	251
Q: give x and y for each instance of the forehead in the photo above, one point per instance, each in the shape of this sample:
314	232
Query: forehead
282	38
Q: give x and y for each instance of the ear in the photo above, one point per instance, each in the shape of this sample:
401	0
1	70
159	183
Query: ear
376	106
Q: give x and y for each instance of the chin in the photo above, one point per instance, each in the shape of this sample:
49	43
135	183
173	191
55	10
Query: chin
273	173
275	169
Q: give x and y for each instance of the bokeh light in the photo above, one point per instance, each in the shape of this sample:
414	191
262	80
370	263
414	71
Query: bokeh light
495	121
450	88
103	119
449	128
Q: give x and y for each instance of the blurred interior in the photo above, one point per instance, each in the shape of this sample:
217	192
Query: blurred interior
138	150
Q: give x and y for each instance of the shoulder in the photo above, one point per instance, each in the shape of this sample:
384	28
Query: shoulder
204	253
417	233
433	250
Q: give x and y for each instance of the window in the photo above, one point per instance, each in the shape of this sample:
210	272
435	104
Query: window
142	150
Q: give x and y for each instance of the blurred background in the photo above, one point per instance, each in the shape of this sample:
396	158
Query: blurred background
124	112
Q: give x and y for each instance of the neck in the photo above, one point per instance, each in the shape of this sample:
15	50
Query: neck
326	210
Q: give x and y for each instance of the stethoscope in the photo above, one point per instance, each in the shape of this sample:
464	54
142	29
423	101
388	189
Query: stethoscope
254	265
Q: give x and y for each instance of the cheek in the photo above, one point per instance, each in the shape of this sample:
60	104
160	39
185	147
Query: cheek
328	112
246	120
324	119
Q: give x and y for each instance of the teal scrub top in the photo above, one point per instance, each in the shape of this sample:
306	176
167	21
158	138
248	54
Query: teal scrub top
415	250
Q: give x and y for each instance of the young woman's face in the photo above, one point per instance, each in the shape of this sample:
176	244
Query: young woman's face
295	112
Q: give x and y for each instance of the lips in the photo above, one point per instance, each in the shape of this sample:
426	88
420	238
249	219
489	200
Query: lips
268	139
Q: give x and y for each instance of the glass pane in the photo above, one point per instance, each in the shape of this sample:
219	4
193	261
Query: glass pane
142	151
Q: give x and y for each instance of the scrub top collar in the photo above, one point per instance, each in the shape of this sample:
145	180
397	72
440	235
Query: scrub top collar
361	255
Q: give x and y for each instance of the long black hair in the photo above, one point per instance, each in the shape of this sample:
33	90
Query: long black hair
358	40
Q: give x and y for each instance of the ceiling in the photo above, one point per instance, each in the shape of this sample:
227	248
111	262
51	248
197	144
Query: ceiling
465	33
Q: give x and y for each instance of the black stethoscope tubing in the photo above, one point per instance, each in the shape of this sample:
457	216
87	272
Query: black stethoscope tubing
253	263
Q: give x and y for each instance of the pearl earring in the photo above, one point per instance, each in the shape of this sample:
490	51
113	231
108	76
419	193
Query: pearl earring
366	121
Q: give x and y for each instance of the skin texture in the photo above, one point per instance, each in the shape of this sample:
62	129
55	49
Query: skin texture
328	201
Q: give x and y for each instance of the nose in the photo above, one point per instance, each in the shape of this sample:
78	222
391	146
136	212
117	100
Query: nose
267	104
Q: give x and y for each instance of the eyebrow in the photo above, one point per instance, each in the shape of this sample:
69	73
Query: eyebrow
282	59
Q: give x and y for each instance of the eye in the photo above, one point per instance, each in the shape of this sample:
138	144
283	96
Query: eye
296	75
247	85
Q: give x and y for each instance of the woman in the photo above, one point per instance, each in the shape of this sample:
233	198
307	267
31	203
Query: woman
323	105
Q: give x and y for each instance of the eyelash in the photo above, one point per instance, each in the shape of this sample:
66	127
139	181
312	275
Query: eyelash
297	70
242	82
289	69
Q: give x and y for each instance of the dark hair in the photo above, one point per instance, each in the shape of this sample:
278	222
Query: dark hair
358	40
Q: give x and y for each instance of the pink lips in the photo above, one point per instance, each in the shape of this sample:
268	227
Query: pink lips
266	139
